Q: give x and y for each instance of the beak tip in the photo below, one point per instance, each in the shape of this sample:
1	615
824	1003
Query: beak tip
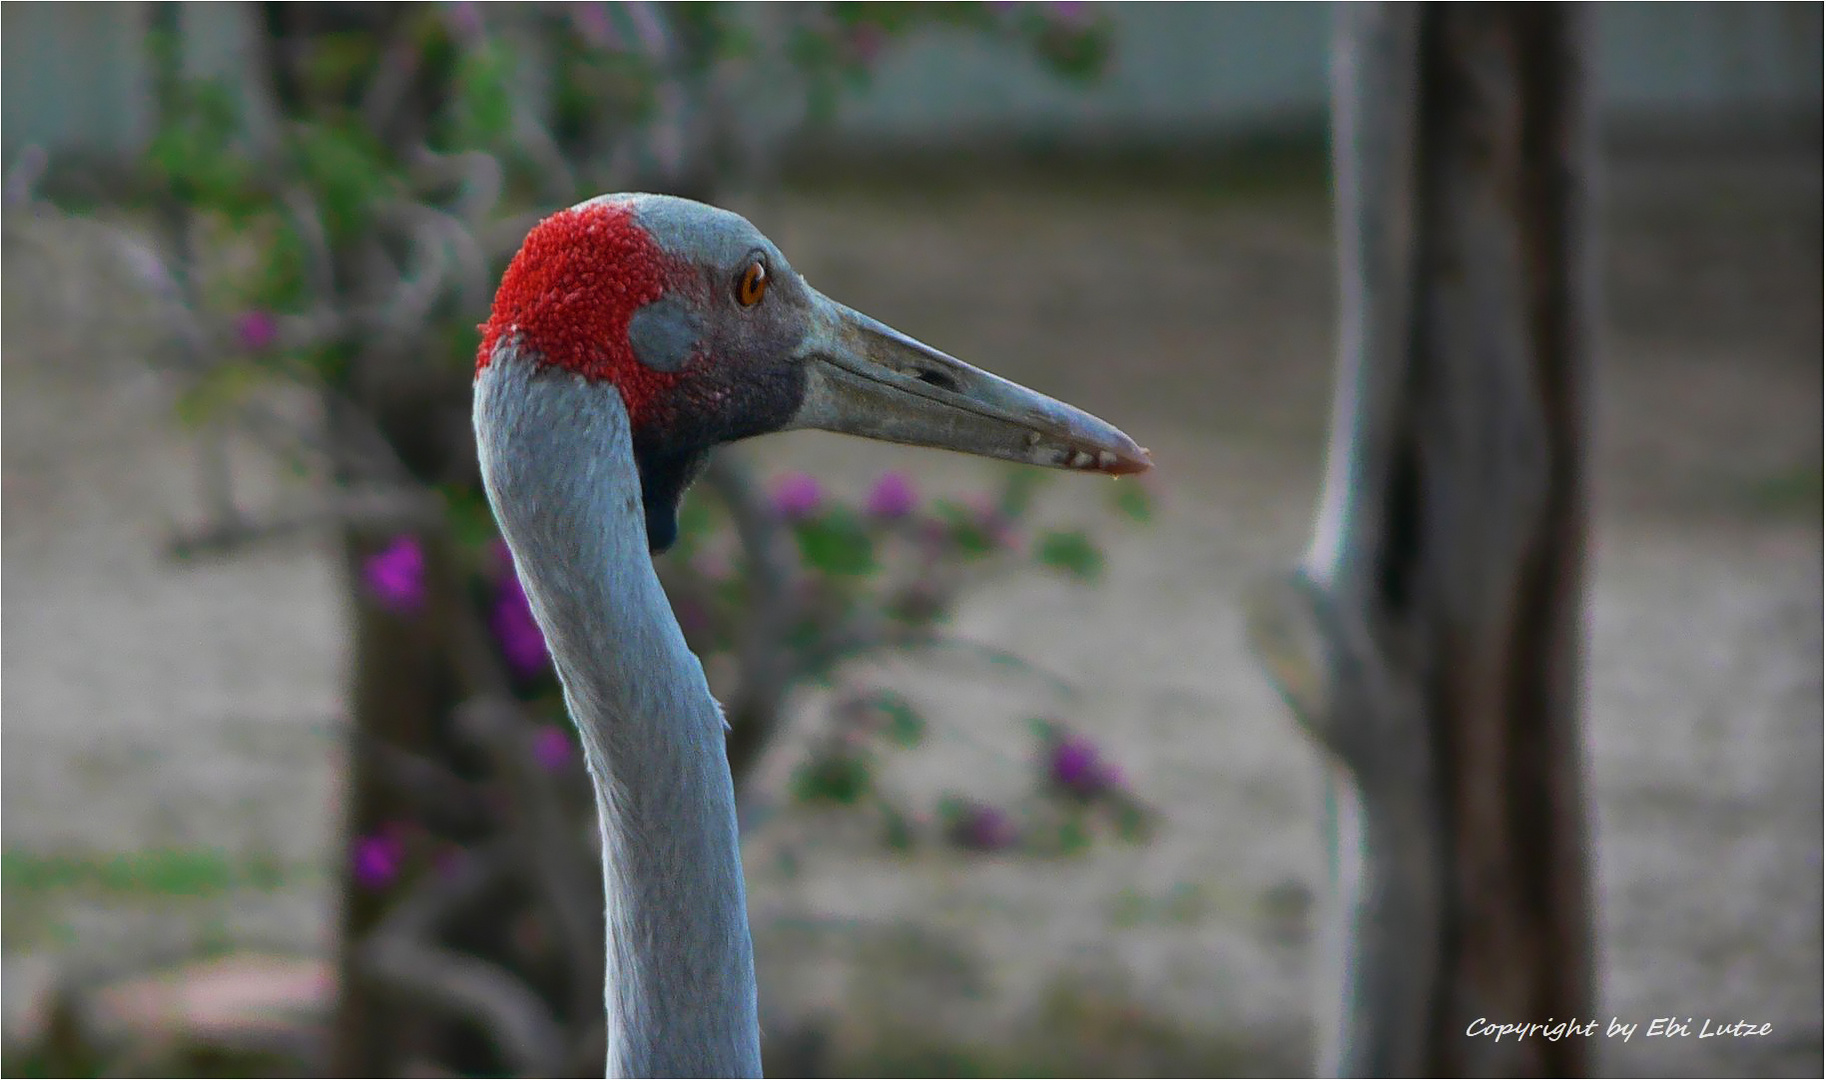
1130	460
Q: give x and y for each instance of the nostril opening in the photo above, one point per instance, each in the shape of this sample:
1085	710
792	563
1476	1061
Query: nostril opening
938	379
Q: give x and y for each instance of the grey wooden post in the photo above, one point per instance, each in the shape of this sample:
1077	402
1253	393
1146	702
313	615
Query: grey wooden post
1431	639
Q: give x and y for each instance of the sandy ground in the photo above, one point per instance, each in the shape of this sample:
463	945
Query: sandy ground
152	705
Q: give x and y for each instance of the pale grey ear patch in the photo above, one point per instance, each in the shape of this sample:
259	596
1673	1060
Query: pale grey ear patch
664	334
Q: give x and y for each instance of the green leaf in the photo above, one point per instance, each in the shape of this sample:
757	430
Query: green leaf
221	388
472	522
696	520
788	863
1133	822
483	105
905	727
1128	909
195	152
1132	500
967	531
1078	53
833	778
835	542
1018	494
335	64
349	172
896	830
279	283
1071	551
1186	903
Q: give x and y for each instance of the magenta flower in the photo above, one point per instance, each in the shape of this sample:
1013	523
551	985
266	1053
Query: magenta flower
594	26
797	496
993	522
464	20
712	566
866	41
377	860
693	616
256	330
978	826
450	862
516	631
892	496
1073	764
396	575
552	748
647	27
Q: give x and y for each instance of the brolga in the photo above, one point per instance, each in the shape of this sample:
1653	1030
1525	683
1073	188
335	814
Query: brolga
630	336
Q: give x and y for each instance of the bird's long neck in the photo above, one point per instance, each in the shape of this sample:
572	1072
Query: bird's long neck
559	469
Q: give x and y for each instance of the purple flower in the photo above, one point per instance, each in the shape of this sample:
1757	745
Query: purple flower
1074	764
667	129
594	26
377	860
892	496
693	616
712	566
993	522
981	827
552	748
256	330
797	496
396	575
516	631
450	862
866	41
464	20
648	28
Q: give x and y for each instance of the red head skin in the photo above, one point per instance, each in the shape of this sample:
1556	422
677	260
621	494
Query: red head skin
568	295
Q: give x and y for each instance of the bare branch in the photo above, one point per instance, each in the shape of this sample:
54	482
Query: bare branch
560	180
469	259
479	173
408	306
309	220
395	510
766	671
391	84
401	956
502	238
21	182
545	837
429	784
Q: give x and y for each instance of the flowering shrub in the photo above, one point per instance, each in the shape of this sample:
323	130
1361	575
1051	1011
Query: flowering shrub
377	860
396	575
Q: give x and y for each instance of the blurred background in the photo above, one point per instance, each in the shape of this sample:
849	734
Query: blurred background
1016	799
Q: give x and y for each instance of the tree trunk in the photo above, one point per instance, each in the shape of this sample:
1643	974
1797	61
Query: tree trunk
1431	641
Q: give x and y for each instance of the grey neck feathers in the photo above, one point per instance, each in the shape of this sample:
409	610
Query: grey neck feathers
559	469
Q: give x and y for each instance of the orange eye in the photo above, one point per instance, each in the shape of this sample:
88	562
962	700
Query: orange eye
752	286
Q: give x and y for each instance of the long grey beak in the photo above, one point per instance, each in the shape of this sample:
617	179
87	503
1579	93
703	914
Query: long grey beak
866	378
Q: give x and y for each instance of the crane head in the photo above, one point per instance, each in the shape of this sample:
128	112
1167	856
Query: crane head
709	336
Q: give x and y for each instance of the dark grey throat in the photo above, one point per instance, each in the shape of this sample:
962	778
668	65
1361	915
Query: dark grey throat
664	476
